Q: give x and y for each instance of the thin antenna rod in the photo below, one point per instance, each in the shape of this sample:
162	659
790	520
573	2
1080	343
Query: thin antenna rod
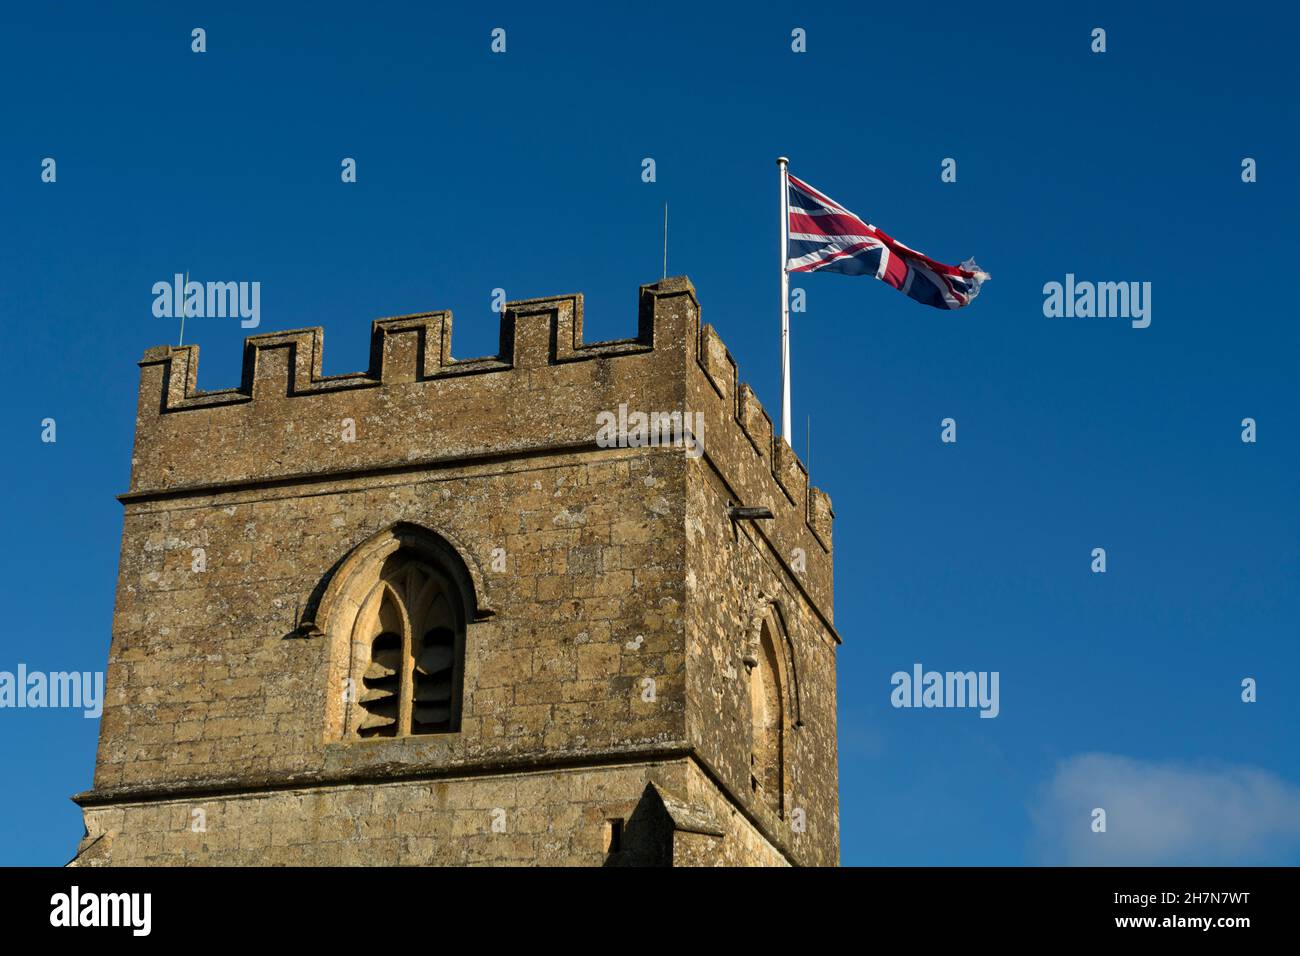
187	282
808	442
665	240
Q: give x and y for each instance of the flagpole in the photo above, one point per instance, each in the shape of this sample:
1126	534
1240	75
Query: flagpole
782	164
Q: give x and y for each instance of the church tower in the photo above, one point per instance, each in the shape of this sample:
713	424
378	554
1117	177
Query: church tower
566	605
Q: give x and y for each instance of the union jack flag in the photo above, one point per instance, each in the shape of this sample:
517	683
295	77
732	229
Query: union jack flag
824	236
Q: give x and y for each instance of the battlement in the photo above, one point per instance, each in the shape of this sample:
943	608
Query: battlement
416	405
403	349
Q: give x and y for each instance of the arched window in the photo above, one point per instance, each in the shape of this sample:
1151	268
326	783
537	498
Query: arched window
395	611
408	647
767	730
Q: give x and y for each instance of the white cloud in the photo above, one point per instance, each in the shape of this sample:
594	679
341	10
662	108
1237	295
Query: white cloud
1165	814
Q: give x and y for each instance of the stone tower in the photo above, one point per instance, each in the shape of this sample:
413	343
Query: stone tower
469	611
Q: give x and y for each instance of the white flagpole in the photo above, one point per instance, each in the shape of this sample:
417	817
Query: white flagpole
782	163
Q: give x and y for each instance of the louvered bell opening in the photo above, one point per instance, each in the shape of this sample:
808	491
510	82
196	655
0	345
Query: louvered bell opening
434	674
381	685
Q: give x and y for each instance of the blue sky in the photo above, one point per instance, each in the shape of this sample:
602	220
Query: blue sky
522	171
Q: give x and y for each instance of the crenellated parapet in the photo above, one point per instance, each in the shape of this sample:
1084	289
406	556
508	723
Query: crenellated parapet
403	349
417	405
